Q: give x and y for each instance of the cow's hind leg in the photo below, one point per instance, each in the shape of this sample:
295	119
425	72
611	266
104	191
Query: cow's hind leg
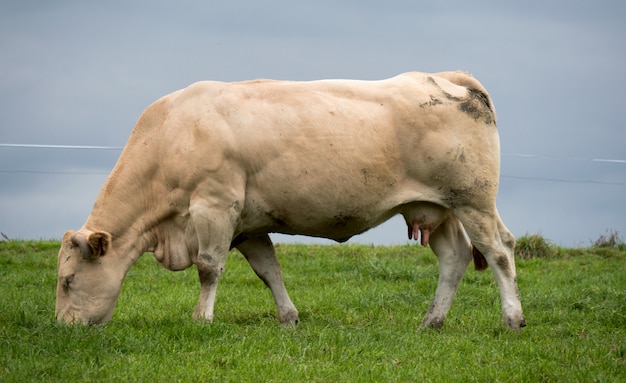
489	235
260	253
454	252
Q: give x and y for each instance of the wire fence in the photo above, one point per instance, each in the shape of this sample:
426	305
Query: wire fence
518	155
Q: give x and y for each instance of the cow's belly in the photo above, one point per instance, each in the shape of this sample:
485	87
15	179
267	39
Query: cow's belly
339	225
331	212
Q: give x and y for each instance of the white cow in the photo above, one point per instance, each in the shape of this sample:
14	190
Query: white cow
221	165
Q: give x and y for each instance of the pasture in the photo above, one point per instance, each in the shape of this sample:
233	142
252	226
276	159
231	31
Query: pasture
360	310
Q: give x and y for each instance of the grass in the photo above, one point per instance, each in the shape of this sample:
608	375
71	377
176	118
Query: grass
533	245
360	309
611	240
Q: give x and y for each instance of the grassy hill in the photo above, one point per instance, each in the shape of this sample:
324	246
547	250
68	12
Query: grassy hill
360	310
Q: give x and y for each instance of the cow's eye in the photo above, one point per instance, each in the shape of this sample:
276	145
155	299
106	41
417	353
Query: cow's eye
67	281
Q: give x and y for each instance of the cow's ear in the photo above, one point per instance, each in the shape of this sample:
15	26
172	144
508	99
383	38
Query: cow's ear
99	243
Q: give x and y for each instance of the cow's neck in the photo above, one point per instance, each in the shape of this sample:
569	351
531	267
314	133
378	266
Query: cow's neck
126	207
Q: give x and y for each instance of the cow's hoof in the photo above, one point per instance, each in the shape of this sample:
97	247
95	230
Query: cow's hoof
289	318
435	323
200	316
516	324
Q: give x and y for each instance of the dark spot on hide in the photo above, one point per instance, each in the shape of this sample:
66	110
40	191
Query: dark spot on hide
432	102
346	225
454	198
509	240
477	106
503	263
342	219
206	257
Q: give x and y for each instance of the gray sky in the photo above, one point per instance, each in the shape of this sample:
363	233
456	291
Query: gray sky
80	73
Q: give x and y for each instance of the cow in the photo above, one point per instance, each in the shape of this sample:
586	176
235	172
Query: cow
217	166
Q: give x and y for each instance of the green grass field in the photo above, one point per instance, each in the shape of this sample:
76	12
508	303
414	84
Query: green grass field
360	310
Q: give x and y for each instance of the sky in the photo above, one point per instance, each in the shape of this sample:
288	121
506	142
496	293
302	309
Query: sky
79	73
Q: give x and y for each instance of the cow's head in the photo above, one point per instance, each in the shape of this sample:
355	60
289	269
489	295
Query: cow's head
90	279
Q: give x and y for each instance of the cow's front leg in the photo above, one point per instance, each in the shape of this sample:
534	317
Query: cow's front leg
260	253
454	253
214	228
210	268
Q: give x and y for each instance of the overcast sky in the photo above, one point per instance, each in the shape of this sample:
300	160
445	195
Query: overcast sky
81	73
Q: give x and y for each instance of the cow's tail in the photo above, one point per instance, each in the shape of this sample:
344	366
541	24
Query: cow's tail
468	81
480	263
